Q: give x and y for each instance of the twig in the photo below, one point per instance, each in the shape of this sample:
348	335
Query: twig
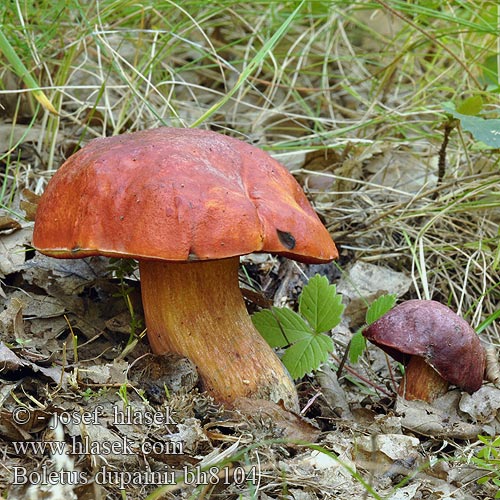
363	379
448	127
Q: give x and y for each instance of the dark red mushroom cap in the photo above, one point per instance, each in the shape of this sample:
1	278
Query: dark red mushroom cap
431	330
177	194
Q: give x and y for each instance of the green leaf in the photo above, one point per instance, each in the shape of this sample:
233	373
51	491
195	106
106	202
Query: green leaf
379	307
307	354
485	130
471	106
281	326
490	71
268	327
357	346
294	326
306	346
320	304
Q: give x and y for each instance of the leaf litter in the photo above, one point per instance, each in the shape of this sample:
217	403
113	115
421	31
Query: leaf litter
79	388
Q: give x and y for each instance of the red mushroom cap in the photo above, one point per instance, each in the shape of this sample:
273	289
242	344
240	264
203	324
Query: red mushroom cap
177	194
431	330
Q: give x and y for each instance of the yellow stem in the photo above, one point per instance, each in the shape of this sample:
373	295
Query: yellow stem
196	310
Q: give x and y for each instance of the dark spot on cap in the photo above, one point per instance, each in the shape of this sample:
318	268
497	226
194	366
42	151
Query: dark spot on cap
287	240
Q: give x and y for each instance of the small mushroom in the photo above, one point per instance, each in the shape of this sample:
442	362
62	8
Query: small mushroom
436	346
186	204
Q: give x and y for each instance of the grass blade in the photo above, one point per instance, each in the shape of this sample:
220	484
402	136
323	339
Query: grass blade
261	54
21	70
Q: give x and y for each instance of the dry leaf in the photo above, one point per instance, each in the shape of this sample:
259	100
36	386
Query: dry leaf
13	250
10	362
287	424
492	371
29	204
363	280
64	276
483	405
11	319
387	448
333	393
170	370
8	224
11	136
402	172
439	420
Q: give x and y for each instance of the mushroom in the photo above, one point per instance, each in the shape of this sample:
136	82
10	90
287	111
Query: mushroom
186	204
437	347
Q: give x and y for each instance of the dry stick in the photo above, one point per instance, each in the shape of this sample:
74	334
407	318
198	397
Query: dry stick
343	360
448	127
391	373
363	379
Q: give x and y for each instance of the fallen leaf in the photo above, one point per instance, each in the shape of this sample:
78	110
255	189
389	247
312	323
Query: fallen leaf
483	405
363	280
406	492
333	393
8	224
64	276
10	362
363	283
402	172
191	434
13	250
11	319
11	137
439	420
29	204
287	424
172	371
10	430
391	446
492	370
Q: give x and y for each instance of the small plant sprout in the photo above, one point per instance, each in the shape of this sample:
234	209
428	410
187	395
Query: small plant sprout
468	114
302	334
488	460
121	268
375	311
123	394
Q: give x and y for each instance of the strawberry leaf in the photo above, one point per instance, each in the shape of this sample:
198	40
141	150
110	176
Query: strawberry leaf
486	130
357	346
281	327
307	354
379	307
320	304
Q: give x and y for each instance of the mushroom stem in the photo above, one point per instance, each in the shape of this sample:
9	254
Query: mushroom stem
421	381
196	310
